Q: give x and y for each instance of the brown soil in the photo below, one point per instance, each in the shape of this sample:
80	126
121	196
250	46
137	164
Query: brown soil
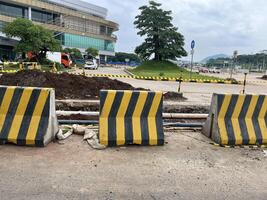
67	86
174	96
264	77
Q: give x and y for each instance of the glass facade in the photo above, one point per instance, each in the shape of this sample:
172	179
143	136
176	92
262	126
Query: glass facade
13	10
82	25
45	17
7	53
84	42
2	25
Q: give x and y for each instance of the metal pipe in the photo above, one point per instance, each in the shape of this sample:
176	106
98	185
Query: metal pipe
87	122
82	122
85	113
184	125
184	116
164	115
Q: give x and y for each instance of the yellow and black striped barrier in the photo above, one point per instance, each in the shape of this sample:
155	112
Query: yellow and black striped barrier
28	116
8	71
130	117
154	78
237	120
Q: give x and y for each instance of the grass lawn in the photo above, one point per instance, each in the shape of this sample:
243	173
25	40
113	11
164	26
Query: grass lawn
166	69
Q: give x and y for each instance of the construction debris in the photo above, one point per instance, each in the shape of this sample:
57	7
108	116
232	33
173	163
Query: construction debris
88	133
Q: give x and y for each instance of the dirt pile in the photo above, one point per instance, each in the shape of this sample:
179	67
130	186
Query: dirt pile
67	86
176	96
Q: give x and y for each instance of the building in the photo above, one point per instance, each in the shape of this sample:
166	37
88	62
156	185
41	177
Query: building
77	24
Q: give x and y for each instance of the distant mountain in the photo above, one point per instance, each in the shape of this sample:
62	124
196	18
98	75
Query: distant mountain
205	60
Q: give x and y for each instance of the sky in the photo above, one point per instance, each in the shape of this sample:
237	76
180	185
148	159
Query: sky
217	26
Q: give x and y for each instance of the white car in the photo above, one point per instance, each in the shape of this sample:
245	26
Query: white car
91	64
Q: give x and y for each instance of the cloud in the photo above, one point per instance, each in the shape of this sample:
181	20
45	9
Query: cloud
220	26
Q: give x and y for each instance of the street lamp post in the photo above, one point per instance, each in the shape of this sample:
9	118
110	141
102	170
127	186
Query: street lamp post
192	56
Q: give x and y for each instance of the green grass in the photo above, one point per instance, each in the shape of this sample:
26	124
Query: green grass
166	69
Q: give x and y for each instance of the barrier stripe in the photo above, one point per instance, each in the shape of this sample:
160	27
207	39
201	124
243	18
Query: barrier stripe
105	113
128	120
11	112
255	121
159	123
236	114
144	118
248	119
5	105
152	125
21	140
43	124
242	122
120	120
137	132
227	120
221	121
16	124
148	78
262	122
112	118
36	117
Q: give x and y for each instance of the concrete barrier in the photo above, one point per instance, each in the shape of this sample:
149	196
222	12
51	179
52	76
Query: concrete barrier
130	117
237	119
28	116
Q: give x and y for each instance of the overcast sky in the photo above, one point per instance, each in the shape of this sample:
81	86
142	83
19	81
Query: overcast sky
217	26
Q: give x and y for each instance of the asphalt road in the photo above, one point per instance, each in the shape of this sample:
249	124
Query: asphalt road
196	93
187	167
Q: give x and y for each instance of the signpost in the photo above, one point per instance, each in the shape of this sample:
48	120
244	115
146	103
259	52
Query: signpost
193	43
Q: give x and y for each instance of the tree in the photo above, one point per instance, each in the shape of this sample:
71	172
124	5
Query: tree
33	38
162	39
76	53
92	51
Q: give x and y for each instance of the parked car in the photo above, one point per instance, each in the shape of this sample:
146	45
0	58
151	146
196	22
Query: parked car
203	70
91	64
215	70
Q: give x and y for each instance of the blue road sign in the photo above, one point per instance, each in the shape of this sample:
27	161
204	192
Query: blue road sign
193	43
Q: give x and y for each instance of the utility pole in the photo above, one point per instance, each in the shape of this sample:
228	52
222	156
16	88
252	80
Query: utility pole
192	57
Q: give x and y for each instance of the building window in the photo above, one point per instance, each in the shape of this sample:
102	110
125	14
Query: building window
13	11
109	31
78	41
45	17
109	45
103	30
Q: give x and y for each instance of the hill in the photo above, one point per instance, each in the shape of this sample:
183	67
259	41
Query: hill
205	60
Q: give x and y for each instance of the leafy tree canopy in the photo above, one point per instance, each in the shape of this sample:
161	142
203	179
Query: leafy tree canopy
92	51
162	39
76	53
33	38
